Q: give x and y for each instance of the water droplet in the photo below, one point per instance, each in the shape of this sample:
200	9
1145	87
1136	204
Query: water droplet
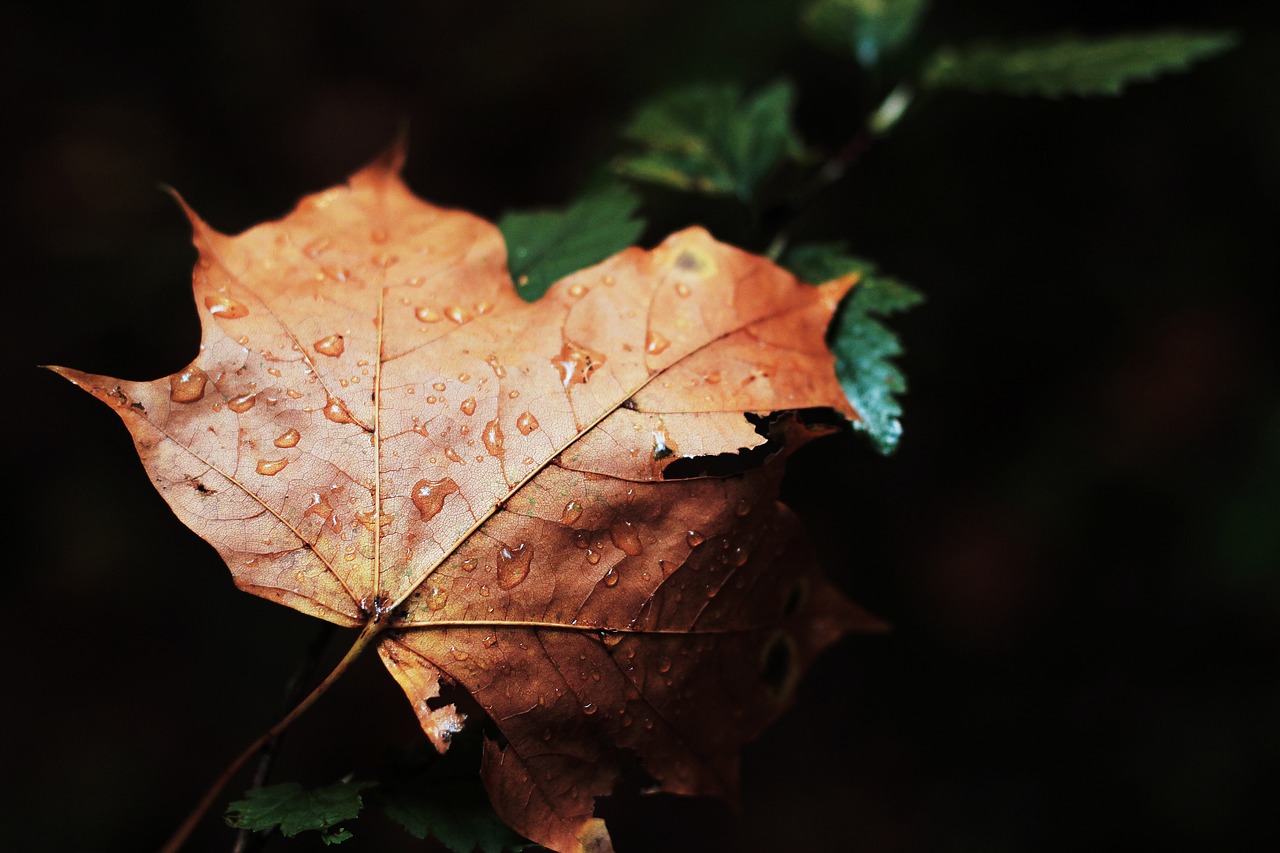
224	307
612	577
288	438
576	363
526	423
546	734
607	280
271	467
242	404
458	314
655	343
187	386
429	495
664	665
513	394
572	512
498	370
738	556
332	346
469	565
593	557
452	455
439	386
426	315
468	406
590	708
483	307
372	518
378	235
384	260
626	536
742	507
493	438
577	291
513	564
694	538
320	506
683	290
337	411
663	446
317	247
438	599
484	590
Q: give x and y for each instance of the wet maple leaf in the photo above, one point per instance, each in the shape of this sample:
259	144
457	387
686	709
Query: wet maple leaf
561	508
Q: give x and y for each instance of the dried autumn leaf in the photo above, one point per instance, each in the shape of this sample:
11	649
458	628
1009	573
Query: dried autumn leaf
379	432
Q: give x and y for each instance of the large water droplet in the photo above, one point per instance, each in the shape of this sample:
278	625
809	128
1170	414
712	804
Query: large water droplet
526	423
426	315
458	314
468	406
437	600
612	577
493	438
694	538
572	512
288	438
655	343
332	346
737	556
243	403
429	495
452	455
337	411
626	536
577	291
590	708
513	564
224	307
187	386
271	467
576	363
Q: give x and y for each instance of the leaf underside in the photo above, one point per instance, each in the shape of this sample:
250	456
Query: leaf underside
378	431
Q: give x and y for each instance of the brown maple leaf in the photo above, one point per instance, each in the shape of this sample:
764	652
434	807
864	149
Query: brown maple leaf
566	508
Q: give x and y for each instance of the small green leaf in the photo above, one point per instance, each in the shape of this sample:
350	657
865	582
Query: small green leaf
294	809
545	246
863	346
711	139
1070	65
867	28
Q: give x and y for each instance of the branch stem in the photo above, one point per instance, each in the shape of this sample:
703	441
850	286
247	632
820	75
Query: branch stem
367	638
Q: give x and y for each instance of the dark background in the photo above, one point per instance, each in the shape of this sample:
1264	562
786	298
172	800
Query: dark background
1077	542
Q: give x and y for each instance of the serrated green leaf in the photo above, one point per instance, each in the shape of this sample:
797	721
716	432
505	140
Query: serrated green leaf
712	139
545	246
862	345
1071	65
867	28
295	809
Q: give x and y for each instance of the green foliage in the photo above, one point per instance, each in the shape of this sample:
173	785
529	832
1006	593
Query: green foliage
863	346
545	246
432	796
712	139
294	809
867	28
1071	65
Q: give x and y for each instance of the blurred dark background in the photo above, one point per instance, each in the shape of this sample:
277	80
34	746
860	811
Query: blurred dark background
1077	543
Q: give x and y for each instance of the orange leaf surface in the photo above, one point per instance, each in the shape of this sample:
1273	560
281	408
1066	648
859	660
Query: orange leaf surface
516	498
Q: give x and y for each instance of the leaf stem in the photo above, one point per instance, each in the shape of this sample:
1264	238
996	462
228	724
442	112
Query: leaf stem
367	638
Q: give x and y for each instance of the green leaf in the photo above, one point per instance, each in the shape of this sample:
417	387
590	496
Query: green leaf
431	796
545	246
1071	65
294	809
712	139
863	346
868	28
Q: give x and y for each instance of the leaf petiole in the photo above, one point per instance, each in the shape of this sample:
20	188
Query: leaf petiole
368	636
